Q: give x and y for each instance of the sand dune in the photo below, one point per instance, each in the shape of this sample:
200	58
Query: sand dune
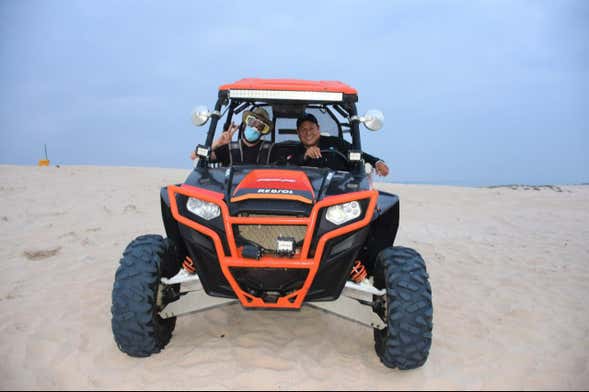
509	271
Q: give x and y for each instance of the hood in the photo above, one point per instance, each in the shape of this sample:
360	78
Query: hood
271	190
274	184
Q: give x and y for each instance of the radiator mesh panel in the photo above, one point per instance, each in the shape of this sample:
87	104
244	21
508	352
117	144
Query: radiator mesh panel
266	235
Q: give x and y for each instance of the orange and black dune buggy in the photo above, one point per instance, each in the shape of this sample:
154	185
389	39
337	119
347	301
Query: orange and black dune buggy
278	235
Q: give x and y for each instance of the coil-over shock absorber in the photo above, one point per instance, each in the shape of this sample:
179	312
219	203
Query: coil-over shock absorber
358	272
188	265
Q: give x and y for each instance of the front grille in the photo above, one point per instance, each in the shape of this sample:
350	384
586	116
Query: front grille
266	235
258	281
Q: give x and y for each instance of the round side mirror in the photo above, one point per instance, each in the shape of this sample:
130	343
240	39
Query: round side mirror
373	120
200	115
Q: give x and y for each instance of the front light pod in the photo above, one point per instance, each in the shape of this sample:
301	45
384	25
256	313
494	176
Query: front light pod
204	209
342	213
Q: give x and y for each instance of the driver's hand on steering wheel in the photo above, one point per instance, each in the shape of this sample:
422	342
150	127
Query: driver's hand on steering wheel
313	152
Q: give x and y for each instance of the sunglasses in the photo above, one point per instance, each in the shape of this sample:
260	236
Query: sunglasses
258	124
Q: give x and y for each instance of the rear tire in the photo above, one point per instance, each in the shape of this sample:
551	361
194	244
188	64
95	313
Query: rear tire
137	328
406	341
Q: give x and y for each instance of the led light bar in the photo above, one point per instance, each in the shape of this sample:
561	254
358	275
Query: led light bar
294	95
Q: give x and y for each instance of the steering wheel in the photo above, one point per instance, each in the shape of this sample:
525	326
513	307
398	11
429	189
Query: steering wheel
329	163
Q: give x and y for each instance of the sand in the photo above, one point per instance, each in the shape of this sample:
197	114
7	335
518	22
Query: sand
509	270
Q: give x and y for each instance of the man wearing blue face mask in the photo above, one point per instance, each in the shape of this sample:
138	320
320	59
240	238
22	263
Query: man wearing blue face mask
250	149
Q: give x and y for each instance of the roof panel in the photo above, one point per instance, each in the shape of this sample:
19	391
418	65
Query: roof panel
289	85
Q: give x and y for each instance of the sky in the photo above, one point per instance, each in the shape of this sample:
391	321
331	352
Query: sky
473	92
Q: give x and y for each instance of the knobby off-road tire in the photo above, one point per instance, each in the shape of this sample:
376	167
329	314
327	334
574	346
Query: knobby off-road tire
138	329
406	341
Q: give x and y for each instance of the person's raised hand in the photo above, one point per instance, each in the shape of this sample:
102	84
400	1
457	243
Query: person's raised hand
226	136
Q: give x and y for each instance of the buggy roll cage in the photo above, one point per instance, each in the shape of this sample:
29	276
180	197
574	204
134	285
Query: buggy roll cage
346	108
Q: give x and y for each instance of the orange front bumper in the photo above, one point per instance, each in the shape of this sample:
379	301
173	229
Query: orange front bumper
301	260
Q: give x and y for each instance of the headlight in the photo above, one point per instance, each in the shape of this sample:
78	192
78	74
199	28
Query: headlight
202	208
342	213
